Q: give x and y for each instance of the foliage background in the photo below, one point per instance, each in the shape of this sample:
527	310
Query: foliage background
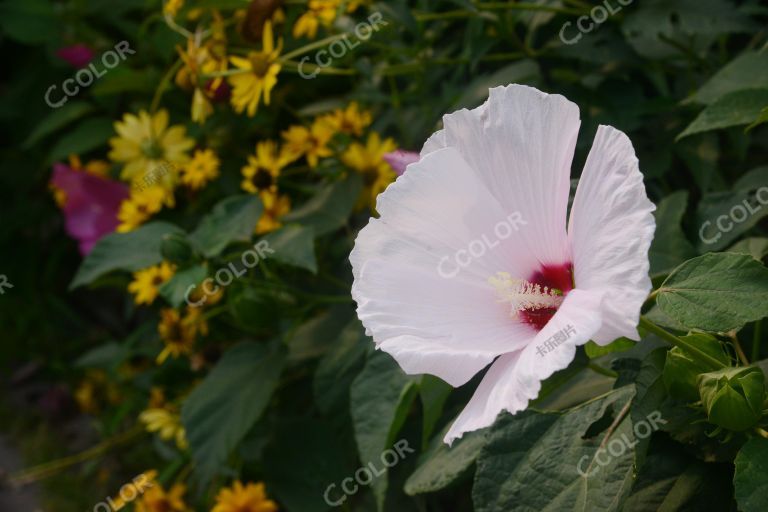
682	78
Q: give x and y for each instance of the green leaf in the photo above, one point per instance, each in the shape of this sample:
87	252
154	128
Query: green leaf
122	79
716	292
330	207
733	109
232	220
305	465
747	71
220	410
762	118
442	465
380	397
594	350
175	289
86	136
670	247
29	22
59	118
317	335
130	251
757	247
549	462
751	477
433	392
293	245
339	367
722	217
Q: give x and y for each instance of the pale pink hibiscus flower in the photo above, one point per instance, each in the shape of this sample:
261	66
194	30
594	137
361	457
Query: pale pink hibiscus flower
521	297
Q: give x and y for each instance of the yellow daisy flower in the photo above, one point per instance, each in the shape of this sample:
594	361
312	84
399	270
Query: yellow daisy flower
166	423
264	167
259	76
244	498
351	120
146	282
311	142
203	167
368	160
145	143
275	207
140	206
179	333
140	483
320	12
157	499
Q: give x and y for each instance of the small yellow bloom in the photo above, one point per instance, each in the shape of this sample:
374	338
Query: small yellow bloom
311	142
275	207
95	167
201	60
203	167
320	12
156	397
264	167
157	499
351	120
146	282
166	423
171	7
140	206
179	333
259	74
94	390
139	484
150	149
369	162
244	498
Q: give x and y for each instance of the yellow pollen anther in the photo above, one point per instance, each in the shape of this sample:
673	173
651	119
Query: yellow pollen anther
523	295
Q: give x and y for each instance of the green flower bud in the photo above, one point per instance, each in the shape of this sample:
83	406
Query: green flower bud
176	249
681	371
733	397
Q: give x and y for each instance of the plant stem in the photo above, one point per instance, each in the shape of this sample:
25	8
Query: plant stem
163	85
602	371
691	349
50	468
312	46
737	346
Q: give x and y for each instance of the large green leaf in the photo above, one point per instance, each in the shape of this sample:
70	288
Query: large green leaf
670	247
305	466
734	109
124	251
329	207
433	392
747	71
751	477
716	292
59	118
339	366
294	245
722	217
220	411
546	462
379	400
232	220
442	465
175	289
757	247
88	135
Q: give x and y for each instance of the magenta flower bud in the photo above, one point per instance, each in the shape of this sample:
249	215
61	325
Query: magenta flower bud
400	159
76	55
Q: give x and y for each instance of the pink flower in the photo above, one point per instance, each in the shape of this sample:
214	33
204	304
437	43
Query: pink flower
400	159
77	55
91	204
471	264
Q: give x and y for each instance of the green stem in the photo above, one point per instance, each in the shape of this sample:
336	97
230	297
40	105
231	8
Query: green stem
691	349
50	468
312	46
164	85
602	371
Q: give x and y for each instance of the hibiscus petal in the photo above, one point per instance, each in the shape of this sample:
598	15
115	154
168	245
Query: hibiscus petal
515	378
405	302
610	229
521	144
